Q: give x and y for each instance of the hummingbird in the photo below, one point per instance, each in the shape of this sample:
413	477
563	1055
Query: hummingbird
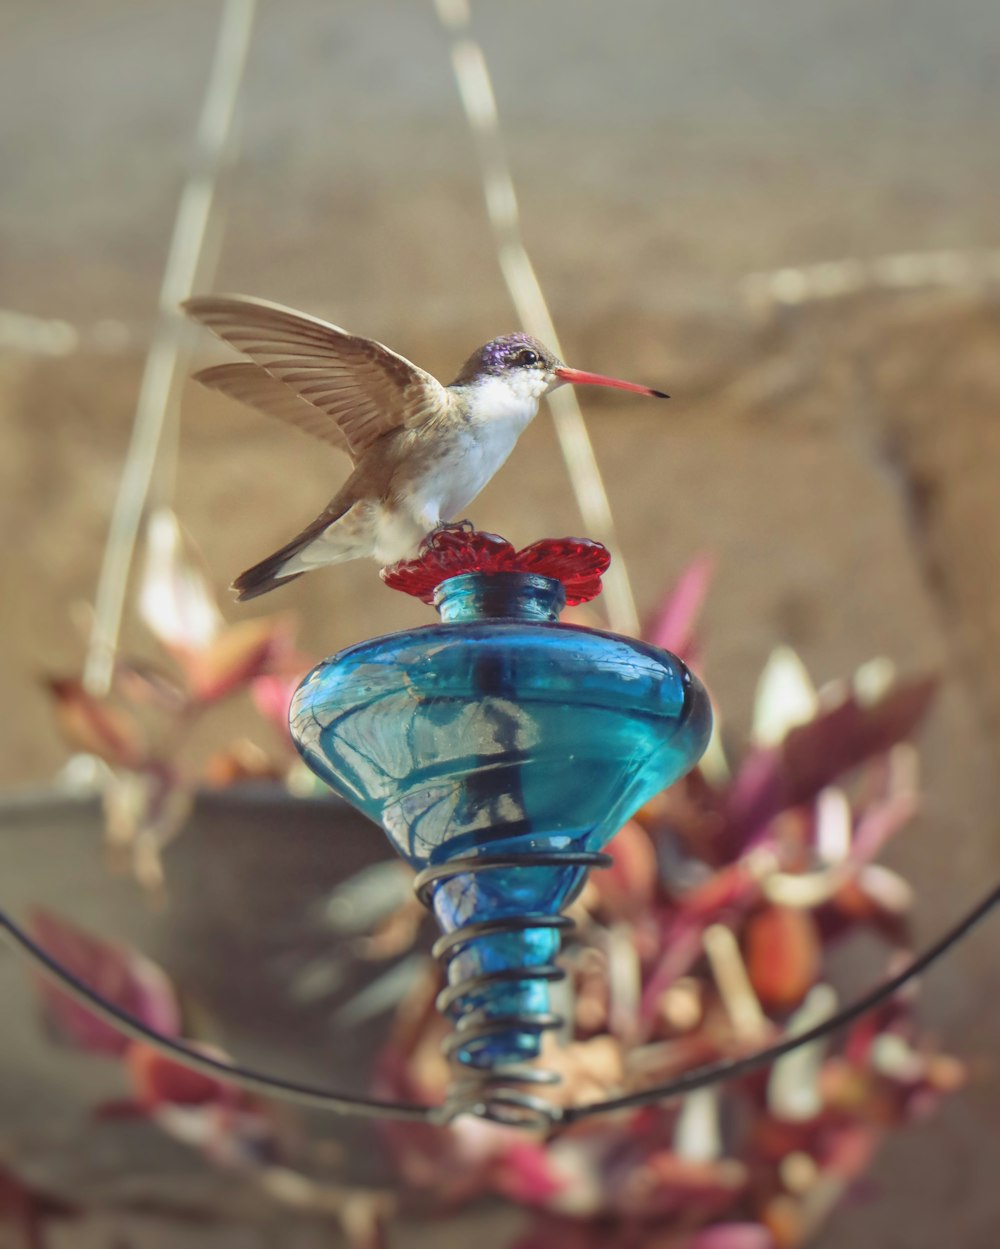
421	451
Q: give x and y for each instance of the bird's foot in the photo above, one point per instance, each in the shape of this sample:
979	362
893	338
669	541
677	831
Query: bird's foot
453	526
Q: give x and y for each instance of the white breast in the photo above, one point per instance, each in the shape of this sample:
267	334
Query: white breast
498	417
474	451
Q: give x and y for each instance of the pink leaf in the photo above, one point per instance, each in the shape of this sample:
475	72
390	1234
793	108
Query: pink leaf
629	883
144	685
162	1081
732	1236
816	754
877	825
272	696
95	726
239	655
126	979
728	890
673	624
526	1174
678	1184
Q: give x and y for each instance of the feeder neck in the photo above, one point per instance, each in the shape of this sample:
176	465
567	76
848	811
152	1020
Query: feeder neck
499	595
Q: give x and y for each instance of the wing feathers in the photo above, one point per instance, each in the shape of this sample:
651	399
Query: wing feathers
250	384
364	388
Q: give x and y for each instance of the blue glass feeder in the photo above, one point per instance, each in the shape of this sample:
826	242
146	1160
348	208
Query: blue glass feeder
500	751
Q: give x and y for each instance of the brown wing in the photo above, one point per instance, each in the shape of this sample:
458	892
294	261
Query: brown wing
252	385
364	387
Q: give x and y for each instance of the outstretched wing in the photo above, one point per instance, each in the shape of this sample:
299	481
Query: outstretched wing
252	385
365	388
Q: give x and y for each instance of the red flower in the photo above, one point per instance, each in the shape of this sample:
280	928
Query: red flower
577	562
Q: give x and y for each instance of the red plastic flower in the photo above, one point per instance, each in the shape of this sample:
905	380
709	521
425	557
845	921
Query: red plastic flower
577	562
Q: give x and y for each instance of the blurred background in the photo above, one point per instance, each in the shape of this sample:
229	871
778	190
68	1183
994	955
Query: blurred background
784	215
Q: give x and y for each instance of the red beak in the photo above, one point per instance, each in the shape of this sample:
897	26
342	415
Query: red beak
598	379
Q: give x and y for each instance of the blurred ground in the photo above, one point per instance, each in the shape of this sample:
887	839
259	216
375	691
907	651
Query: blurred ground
841	458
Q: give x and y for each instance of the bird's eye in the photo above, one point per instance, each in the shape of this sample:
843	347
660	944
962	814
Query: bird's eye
527	358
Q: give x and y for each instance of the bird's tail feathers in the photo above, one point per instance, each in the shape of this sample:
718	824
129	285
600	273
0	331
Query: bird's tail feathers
275	570
263	577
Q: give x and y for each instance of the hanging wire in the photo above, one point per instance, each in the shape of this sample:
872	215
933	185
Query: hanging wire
156	407
476	91
351	1104
187	1056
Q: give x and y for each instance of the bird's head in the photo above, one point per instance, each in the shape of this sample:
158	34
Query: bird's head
530	370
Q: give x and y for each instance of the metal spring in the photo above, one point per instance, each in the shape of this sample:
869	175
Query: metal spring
498	1093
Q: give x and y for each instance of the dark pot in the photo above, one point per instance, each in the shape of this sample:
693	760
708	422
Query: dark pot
246	882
